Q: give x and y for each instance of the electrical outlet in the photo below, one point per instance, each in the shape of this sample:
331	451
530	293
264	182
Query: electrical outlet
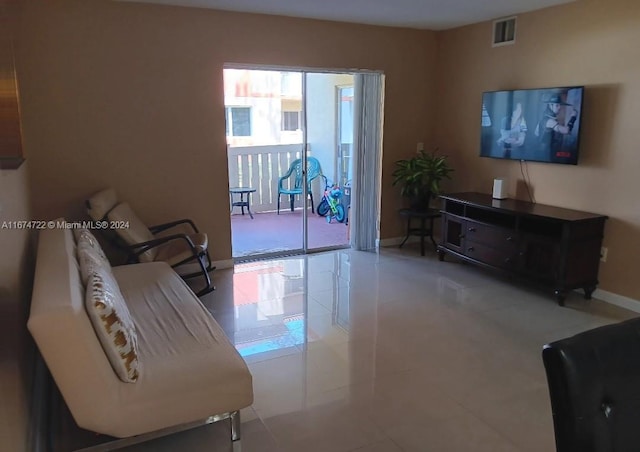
420	147
603	254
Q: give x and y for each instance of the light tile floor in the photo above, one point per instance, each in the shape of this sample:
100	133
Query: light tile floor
354	351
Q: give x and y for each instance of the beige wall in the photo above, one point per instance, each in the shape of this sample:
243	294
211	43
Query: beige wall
591	43
131	95
16	272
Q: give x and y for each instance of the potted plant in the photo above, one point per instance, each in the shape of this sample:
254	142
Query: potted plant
419	177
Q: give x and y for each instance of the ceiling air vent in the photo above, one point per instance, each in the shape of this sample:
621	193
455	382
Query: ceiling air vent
504	31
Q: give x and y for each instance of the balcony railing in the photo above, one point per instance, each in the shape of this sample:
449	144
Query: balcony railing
260	167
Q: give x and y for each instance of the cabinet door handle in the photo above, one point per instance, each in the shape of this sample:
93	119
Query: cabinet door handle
472	229
470	249
509	239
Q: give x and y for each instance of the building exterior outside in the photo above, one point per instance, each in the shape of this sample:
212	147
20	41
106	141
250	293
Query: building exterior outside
263	107
264	122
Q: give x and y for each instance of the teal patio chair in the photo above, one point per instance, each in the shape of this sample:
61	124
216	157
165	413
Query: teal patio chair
295	170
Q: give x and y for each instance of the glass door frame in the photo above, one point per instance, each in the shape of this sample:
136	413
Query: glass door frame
340	170
304	157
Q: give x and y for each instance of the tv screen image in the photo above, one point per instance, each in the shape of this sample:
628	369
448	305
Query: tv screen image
541	125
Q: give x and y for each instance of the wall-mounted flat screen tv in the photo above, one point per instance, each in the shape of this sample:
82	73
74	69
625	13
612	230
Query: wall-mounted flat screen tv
541	125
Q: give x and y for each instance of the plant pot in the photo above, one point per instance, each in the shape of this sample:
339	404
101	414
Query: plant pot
420	203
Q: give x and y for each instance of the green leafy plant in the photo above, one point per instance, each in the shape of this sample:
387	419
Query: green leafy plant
419	177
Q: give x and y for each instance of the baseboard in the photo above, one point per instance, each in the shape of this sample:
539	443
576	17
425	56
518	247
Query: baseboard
618	300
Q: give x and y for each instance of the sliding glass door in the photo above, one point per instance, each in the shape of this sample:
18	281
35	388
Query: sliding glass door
292	140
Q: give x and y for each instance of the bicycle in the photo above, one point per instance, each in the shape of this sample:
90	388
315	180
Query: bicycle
330	207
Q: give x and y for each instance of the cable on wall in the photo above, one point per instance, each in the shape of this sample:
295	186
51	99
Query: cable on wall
527	179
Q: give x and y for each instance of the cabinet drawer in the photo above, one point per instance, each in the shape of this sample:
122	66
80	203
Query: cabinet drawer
499	238
488	255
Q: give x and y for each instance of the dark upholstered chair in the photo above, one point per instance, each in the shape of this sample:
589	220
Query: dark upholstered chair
291	182
594	385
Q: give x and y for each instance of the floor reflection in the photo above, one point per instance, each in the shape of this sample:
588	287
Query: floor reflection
272	304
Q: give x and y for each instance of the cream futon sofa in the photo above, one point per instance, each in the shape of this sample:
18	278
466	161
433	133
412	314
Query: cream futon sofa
187	370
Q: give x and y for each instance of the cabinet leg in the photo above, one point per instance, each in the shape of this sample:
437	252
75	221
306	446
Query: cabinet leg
440	255
561	295
588	291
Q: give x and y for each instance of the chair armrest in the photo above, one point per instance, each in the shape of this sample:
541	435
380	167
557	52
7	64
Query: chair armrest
285	176
164	226
282	179
141	247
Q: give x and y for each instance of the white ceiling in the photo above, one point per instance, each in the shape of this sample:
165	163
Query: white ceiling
425	14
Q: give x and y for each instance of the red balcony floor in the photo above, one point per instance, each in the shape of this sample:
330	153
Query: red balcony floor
269	232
